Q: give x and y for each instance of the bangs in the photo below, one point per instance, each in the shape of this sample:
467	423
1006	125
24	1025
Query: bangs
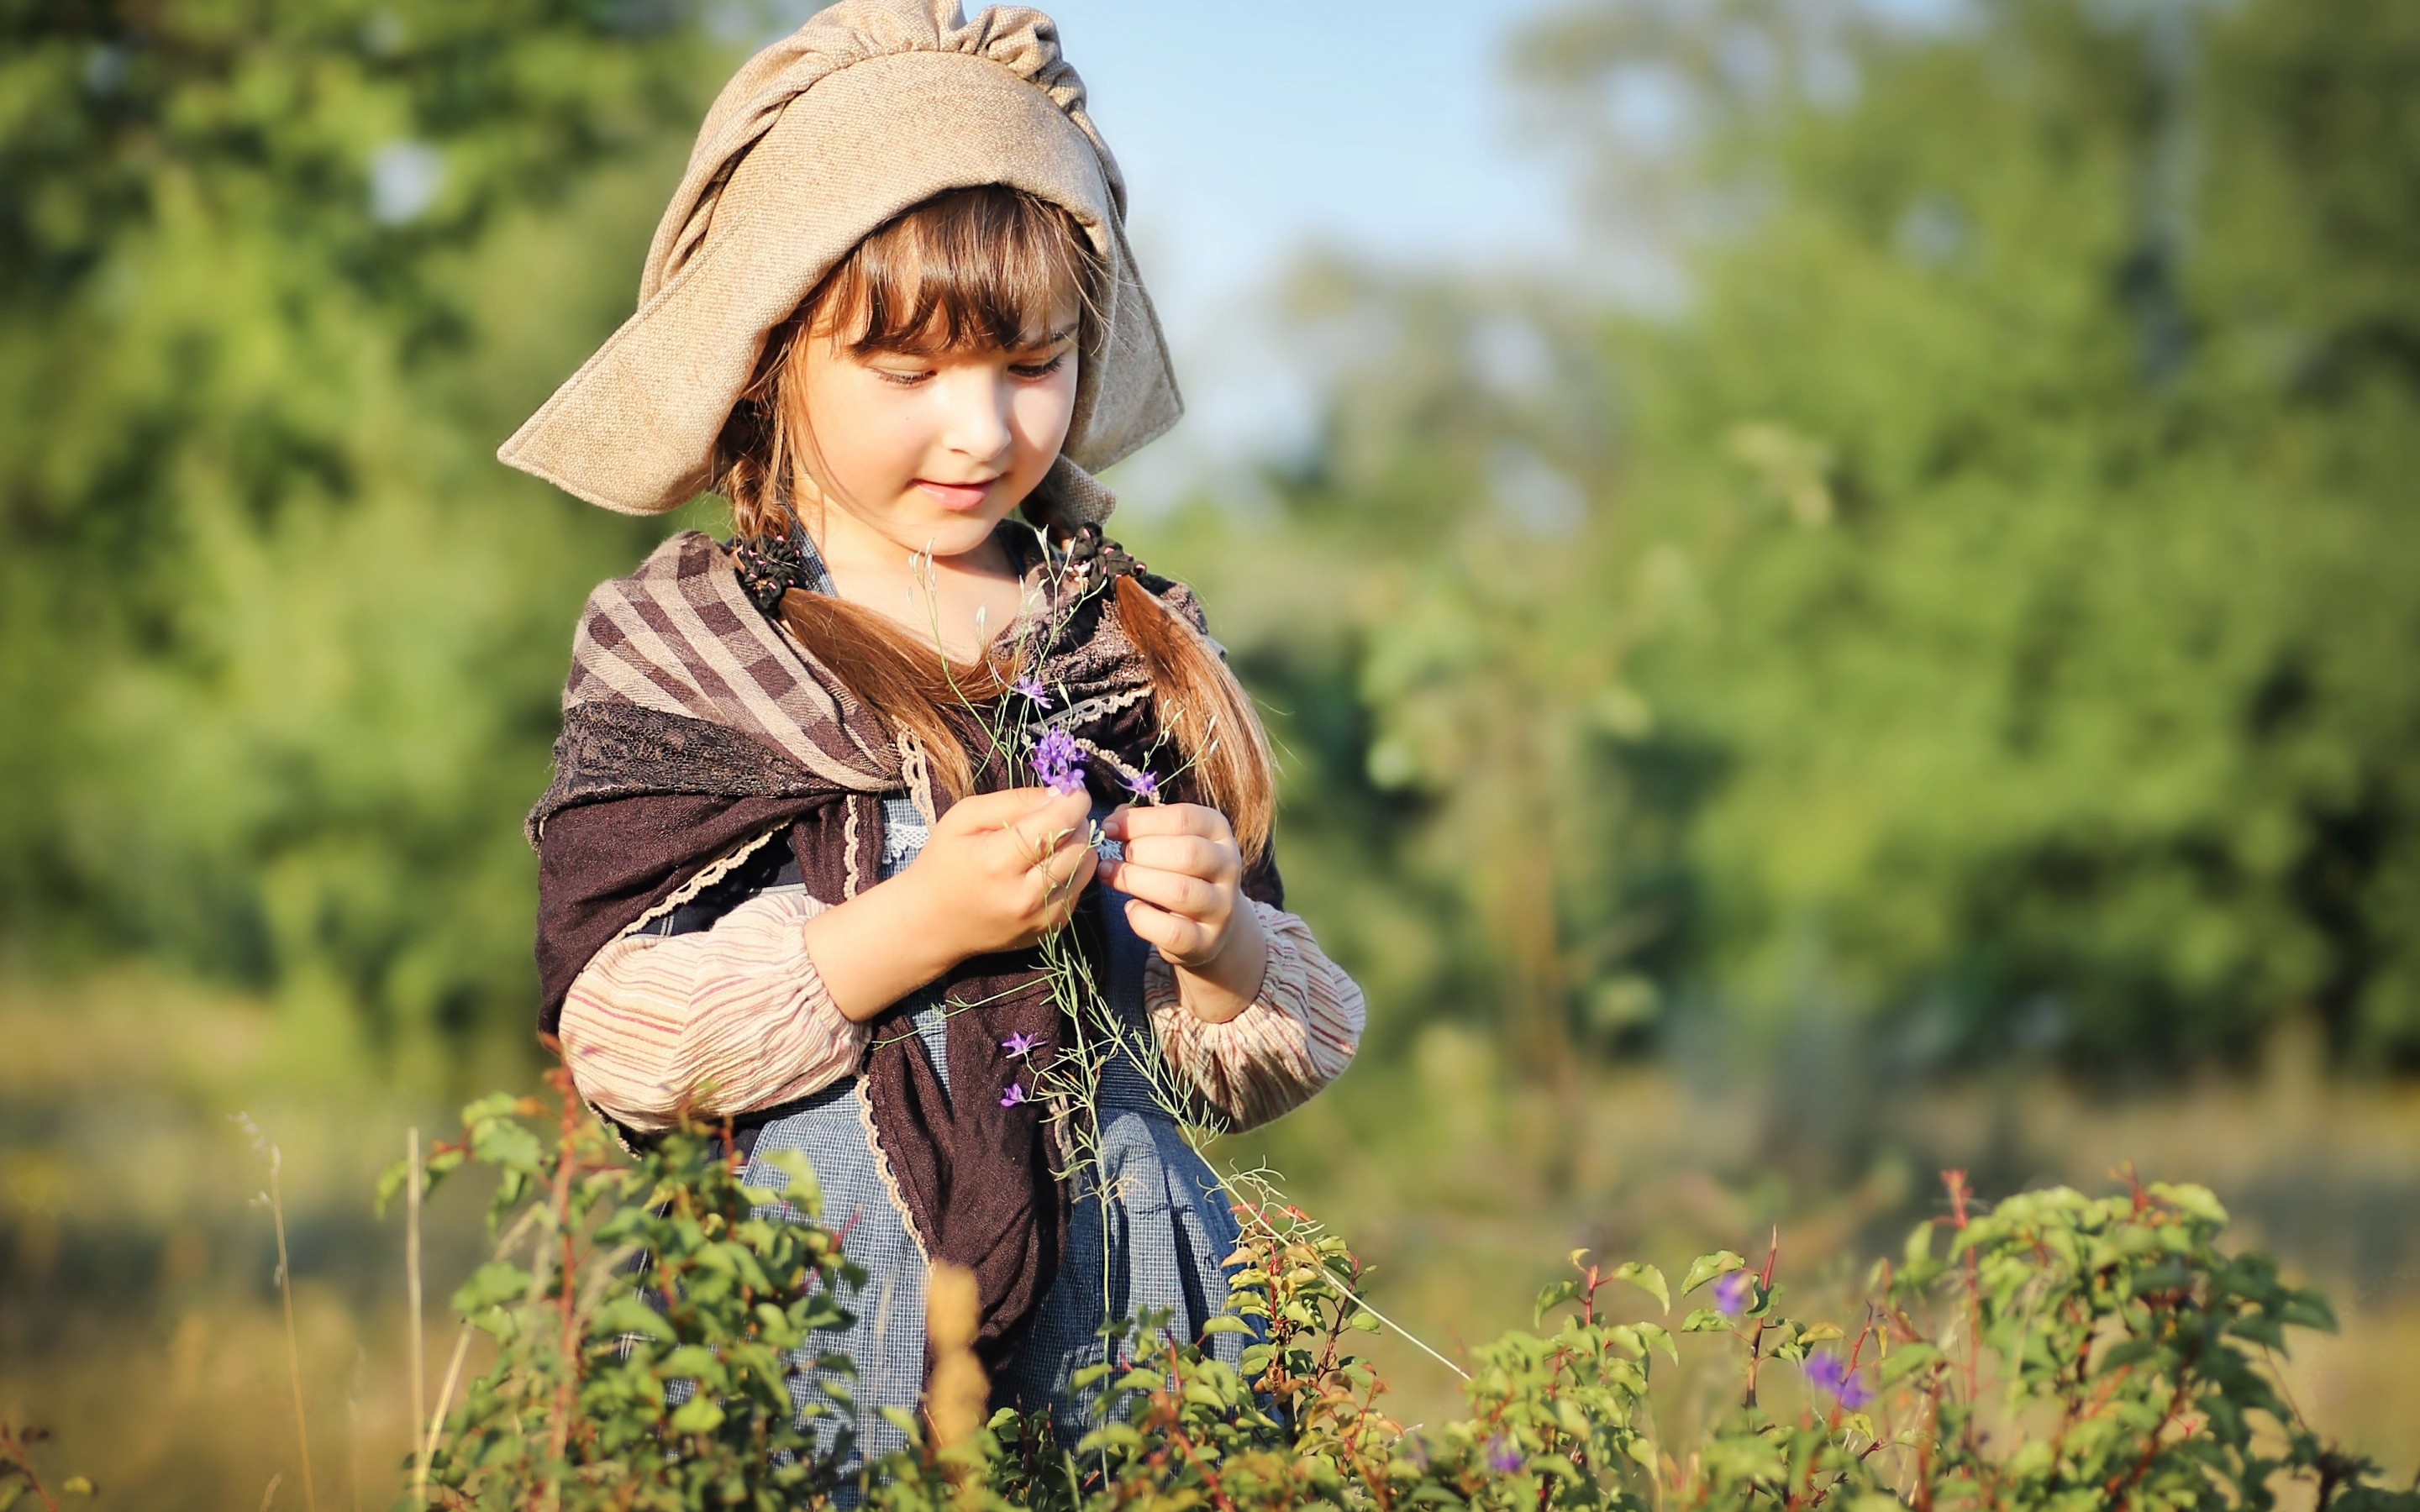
989	268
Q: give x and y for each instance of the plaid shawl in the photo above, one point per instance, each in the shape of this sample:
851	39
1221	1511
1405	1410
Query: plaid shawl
695	729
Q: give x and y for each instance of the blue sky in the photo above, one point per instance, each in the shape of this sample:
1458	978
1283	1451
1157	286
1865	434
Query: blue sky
1251	129
1248	129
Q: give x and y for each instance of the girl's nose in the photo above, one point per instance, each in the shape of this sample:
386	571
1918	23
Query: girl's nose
977	422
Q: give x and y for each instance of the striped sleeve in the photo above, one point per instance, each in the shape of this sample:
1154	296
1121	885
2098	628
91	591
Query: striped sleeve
726	1020
1298	1036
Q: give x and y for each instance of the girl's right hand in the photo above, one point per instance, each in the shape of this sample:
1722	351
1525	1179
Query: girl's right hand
1001	869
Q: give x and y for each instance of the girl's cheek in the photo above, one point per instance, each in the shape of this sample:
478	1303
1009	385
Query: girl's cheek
887	438
1043	414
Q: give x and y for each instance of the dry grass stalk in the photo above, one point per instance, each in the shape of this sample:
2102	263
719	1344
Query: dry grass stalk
444	1401
955	1400
418	1343
293	1340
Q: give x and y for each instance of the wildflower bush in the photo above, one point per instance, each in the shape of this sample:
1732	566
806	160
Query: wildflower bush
2054	1350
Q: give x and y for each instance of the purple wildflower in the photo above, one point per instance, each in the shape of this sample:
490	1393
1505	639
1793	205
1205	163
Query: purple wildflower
1504	1456
1059	762
1015	1095
1035	692
1731	1293
1142	785
1830	1376
1020	1045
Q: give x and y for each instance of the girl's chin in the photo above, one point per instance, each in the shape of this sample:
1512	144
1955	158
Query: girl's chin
945	532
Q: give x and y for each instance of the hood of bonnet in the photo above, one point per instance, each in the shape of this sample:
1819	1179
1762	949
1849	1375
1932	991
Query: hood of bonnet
870	108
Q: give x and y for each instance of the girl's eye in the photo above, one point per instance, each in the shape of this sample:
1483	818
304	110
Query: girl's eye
906	380
1039	370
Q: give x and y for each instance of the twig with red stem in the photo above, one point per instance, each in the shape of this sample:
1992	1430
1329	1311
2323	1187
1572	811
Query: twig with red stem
1172	1408
2123	1488
1959	1193
16	1455
1756	1341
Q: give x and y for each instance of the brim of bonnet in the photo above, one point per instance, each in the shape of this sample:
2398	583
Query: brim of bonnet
871	108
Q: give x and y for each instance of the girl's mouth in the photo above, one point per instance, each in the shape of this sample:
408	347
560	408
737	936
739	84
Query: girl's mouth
958	496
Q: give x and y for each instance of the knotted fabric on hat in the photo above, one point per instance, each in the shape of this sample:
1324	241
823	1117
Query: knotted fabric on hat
871	108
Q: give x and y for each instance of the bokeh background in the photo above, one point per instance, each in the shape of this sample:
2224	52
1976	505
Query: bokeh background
1838	582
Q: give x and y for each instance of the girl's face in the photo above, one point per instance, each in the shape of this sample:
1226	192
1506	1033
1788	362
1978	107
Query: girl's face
930	451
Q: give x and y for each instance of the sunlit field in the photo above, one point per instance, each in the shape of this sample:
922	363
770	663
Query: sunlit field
139	1317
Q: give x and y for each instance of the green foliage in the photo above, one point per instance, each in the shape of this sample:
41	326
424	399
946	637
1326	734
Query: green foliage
1973	608
641	1309
2058	1350
281	640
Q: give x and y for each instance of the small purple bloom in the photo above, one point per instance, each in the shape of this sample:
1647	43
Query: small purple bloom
1830	1376
1504	1456
1020	1045
1731	1293
1059	762
1033	689
1015	1095
1142	785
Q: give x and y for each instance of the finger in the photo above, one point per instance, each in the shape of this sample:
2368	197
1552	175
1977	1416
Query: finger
1065	872
1170	891
1048	888
991	810
1180	939
1174	819
1195	855
1050	827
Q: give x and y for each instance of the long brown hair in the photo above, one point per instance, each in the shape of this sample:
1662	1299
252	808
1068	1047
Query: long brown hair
971	268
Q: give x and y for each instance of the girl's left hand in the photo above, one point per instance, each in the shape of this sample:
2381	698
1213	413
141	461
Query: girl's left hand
1182	876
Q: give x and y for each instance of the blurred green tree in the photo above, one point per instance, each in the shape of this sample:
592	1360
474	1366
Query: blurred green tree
281	640
1982	601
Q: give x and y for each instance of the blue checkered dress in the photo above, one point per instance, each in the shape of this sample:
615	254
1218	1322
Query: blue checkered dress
1150	1233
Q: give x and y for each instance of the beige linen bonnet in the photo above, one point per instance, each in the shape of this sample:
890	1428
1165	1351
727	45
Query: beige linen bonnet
869	109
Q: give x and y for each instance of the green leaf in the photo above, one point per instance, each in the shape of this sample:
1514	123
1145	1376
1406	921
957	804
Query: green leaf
508	1145
1648	1279
492	1285
1657	1336
2197	1201
803	1192
1920	1243
699	1414
630	1315
1227	1323
1706	1267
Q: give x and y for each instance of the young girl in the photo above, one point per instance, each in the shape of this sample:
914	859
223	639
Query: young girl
819	852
